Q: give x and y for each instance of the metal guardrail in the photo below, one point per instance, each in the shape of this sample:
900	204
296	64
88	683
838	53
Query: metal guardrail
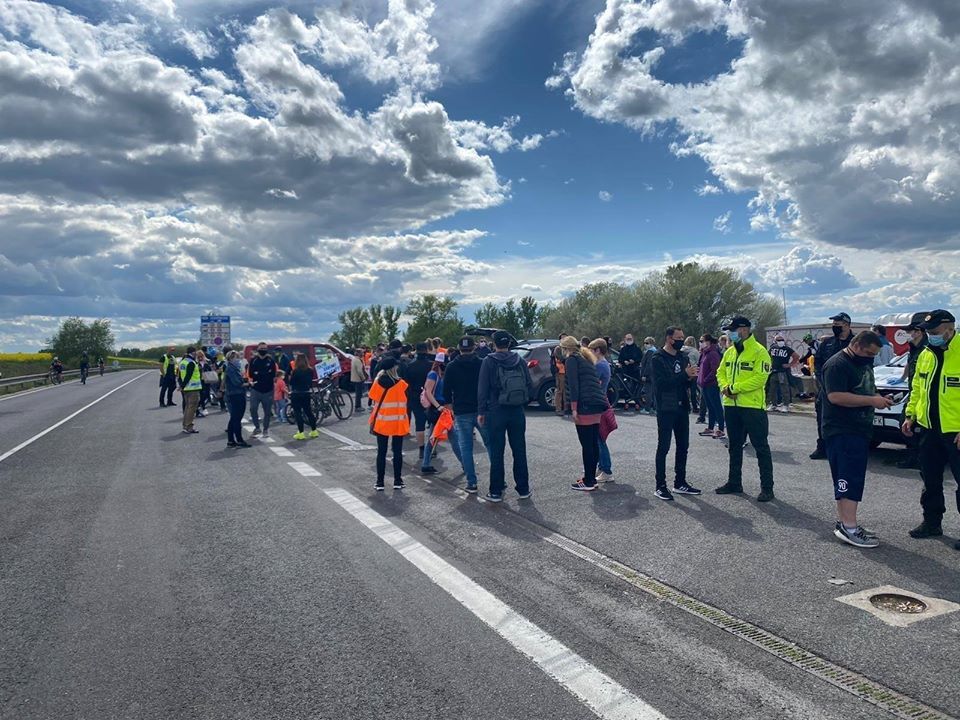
44	378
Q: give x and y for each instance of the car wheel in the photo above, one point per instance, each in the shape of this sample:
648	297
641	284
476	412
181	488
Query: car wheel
548	393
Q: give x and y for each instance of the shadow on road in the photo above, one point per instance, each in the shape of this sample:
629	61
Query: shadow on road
720	522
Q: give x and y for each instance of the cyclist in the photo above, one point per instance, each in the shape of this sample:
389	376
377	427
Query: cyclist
100	365
56	370
84	367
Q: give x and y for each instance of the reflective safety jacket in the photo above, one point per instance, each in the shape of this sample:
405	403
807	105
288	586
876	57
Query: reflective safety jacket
745	373
938	372
168	365
389	416
192	383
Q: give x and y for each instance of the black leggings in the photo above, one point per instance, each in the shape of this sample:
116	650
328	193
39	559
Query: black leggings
397	442
303	409
589	437
238	404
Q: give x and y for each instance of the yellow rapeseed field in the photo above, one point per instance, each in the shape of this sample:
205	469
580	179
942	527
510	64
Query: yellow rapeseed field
25	357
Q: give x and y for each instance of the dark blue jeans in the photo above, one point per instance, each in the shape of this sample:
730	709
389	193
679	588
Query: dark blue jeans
711	397
508	424
237	404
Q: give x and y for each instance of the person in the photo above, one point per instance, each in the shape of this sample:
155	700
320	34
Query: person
585	342
810	347
742	377
56	367
483	348
587	403
84	367
693	355
389	419
433	394
828	348
646	379
460	391
723	343
850	398
168	377
190	387
205	387
503	391
284	361
415	376
671	372
709	391
934	412
100	364
630	358
261	370
301	396
220	365
885	356
918	341
235	392
782	359
560	377
600	348
280	397
358	376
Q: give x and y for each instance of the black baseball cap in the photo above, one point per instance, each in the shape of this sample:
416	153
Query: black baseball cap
422	348
915	320
387	363
736	322
501	338
466	343
936	318
842	317
395	344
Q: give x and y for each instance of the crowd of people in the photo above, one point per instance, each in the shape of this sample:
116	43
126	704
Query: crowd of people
731	382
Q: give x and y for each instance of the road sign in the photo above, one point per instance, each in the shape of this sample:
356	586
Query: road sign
215	330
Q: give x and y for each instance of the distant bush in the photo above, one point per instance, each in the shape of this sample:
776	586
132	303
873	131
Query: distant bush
132	361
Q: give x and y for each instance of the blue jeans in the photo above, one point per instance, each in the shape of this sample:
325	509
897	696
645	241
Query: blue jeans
428	447
508	423
606	464
711	396
280	407
465	423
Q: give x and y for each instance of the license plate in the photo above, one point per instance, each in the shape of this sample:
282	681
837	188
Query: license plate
878	421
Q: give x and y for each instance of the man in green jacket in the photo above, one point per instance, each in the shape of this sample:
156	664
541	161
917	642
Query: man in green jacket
934	413
742	377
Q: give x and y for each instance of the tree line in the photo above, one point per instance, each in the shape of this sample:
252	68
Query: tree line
696	297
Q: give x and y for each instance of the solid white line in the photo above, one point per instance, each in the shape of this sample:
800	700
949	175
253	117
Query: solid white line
70	417
282	451
305	469
337	436
598	691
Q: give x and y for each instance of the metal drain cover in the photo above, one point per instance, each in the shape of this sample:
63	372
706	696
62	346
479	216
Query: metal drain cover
893	602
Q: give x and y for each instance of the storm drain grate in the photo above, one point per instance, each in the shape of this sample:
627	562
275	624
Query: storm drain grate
862	687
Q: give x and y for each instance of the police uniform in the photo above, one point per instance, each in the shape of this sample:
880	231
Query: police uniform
911	461
168	379
934	408
190	385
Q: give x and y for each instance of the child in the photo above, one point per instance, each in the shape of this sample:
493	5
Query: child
280	397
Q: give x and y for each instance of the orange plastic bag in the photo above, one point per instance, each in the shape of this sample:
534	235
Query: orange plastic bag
442	429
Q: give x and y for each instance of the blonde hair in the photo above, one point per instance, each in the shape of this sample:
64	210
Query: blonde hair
572	346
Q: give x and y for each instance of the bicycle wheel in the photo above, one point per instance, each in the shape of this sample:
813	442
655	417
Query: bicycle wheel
321	408
342	404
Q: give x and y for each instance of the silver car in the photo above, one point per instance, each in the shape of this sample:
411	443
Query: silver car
890	383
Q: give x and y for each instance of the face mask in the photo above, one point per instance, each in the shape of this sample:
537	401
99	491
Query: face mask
936	340
837	331
678	344
733	335
261	353
781	343
861	360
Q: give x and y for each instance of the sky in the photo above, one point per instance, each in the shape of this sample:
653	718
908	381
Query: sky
283	161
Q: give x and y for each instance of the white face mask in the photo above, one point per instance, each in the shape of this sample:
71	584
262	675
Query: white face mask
781	343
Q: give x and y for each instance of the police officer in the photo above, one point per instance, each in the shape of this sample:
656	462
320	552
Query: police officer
828	348
918	341
934	411
742	377
168	378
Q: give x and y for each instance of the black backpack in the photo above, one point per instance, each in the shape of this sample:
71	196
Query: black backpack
513	386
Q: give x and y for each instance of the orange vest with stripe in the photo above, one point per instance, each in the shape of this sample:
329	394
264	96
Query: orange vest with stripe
393	417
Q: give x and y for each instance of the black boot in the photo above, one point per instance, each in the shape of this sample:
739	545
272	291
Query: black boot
819	453
924	530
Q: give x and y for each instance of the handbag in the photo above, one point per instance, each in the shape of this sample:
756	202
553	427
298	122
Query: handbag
608	423
210	377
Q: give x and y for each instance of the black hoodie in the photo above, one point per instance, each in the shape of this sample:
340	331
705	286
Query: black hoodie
488	390
460	383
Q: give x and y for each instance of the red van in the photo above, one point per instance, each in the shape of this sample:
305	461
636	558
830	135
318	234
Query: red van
311	349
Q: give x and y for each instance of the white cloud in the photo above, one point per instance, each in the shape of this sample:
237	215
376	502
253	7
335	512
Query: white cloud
498	138
708	189
838	116
721	223
198	42
804	270
605	196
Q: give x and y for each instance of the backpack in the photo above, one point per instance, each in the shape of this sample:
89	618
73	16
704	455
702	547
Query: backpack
513	386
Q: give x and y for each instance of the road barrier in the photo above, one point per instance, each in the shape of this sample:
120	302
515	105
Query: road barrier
12	385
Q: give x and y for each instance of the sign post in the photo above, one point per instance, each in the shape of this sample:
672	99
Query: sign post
214	331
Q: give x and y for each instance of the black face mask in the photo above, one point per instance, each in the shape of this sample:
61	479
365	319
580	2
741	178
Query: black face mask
678	344
262	353
861	360
837	331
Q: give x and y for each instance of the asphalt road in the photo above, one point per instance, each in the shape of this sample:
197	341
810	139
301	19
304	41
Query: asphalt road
149	574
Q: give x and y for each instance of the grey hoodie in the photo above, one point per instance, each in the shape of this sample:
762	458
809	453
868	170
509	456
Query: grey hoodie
488	388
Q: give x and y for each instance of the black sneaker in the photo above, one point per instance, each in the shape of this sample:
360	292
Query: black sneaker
664	494
231	444
818	454
429	470
765	496
866	531
399	485
524	496
686	490
378	487
244	445
926	531
581	486
729	489
471	489
490	497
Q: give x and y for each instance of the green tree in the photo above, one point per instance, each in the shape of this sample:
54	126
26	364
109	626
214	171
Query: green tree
74	336
433	316
354	326
391	322
529	315
376	328
522	319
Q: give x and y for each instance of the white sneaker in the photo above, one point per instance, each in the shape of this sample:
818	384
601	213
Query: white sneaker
769	408
603	477
783	409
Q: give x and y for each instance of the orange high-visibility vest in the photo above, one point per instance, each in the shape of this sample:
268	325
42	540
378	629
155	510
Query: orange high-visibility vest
392	418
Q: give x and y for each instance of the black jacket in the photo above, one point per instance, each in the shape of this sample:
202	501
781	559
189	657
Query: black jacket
262	371
631	352
828	348
670	381
460	383
415	375
488	386
583	386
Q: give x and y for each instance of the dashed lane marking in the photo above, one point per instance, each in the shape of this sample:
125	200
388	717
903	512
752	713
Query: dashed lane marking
598	691
67	419
342	438
305	469
282	451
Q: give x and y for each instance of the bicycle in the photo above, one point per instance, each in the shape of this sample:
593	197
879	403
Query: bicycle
327	399
625	387
84	372
54	377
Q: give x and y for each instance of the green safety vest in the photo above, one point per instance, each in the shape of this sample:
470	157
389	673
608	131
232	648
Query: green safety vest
948	387
168	360
194	383
745	373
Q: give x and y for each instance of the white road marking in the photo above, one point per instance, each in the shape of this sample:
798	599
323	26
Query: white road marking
67	419
599	692
282	451
342	438
267	439
305	469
